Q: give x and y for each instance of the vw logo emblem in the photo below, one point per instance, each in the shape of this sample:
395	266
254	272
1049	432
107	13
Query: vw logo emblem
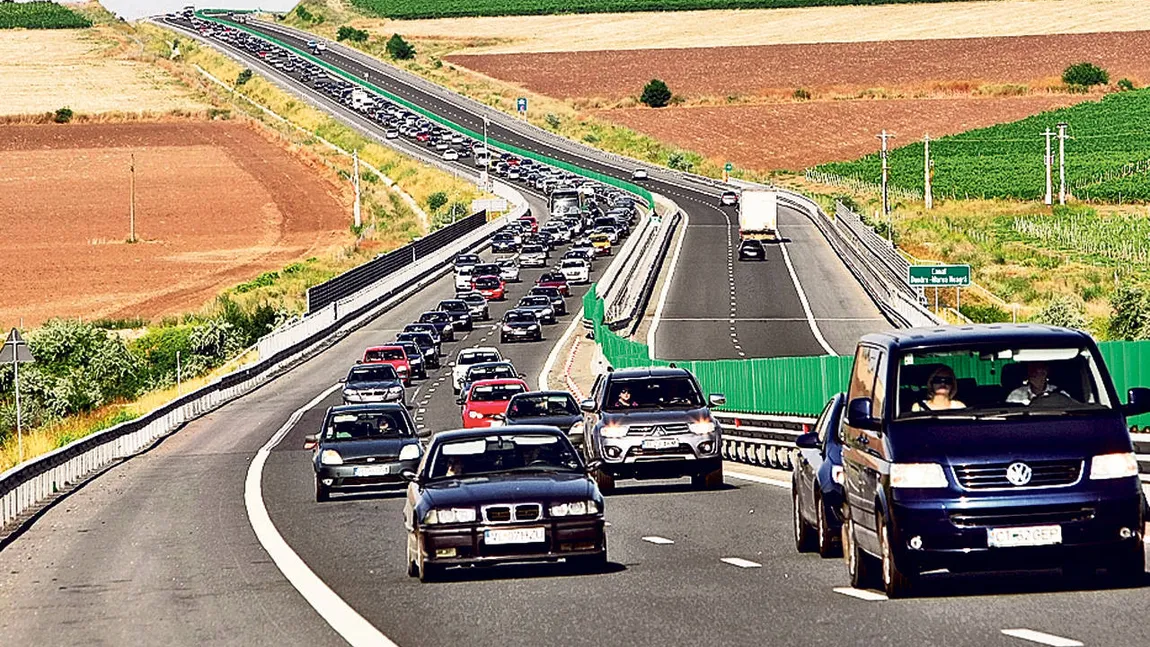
1018	473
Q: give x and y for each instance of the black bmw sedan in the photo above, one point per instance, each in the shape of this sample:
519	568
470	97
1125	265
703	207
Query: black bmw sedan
489	496
363	446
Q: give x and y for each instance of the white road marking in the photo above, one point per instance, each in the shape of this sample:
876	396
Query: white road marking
806	304
759	479
667	286
862	594
337	613
1041	638
740	562
655	539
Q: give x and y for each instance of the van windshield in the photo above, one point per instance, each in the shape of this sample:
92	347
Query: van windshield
999	382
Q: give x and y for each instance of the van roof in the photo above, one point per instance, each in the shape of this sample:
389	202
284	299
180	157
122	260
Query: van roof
1028	333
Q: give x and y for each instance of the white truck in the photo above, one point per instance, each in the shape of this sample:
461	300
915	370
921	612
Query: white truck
360	100
759	214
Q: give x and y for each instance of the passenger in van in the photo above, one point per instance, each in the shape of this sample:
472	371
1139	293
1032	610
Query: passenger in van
1036	385
942	388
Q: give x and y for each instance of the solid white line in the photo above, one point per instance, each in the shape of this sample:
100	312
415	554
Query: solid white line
655	539
806	304
740	562
666	286
869	596
334	611
1041	638
554	355
760	479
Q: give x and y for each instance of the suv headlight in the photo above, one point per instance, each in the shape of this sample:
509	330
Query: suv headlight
702	427
917	475
410	452
614	431
1113	466
330	457
449	515
574	509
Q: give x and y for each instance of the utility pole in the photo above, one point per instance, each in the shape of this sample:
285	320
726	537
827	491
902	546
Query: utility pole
928	171
355	183
132	203
885	176
1049	164
1062	163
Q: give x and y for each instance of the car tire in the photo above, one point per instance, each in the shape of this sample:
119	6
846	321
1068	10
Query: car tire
804	534
322	492
605	480
896	582
860	566
1128	568
502	339
429	572
412	564
596	563
712	480
828	543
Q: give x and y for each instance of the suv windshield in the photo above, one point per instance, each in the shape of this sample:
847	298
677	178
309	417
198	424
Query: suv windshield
366	425
503	453
372	374
653	393
992	382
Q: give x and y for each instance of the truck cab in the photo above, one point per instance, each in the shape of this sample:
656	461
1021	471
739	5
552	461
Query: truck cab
987	447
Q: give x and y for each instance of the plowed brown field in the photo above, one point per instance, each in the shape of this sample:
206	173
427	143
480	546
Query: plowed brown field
798	135
724	71
216	204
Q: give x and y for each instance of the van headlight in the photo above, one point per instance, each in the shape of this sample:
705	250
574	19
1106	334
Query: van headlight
917	475
1113	466
449	515
702	427
330	457
574	509
410	452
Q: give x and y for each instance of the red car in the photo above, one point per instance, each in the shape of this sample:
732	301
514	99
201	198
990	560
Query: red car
396	356
423	136
485	403
554	280
531	222
491	287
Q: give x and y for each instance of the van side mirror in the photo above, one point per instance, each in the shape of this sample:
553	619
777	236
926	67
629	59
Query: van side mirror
587	406
1137	401
809	440
310	441
859	414
717	399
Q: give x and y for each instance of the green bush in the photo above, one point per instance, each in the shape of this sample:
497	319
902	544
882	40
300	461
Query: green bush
802	94
552	120
399	49
303	14
1085	75
1062	310
63	115
655	94
1125	85
245	76
352	34
985	313
436	200
1131	318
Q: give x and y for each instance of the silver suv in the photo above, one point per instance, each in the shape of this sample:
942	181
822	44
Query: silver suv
652	423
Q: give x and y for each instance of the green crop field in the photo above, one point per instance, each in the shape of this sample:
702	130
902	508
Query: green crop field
40	15
411	9
1107	156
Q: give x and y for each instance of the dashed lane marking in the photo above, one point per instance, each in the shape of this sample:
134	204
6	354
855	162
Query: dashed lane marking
861	594
1041	638
655	539
759	479
740	562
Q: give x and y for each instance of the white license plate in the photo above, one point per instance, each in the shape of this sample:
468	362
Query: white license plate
521	333
660	443
1024	536
373	470
513	536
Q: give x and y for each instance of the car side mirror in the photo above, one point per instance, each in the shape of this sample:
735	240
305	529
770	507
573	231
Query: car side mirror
587	406
459	400
343	380
717	399
451	364
523	376
859	414
809	440
409	475
1137	401
359	361
310	441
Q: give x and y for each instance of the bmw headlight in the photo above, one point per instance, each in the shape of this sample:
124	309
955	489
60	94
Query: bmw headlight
330	457
349	394
449	515
533	327
702	427
410	452
574	509
614	431
395	390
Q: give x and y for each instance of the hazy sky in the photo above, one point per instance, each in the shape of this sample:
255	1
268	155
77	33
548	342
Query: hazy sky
133	9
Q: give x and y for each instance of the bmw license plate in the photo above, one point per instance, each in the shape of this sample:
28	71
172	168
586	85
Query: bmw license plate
513	536
1024	536
373	470
660	443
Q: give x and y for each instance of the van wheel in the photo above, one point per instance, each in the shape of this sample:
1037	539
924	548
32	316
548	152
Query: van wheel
1129	567
804	538
859	563
605	481
896	583
828	542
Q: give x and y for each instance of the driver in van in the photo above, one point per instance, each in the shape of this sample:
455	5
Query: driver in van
1036	385
941	387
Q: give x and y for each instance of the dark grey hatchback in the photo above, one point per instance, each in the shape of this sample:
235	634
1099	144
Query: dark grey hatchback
363	446
1000	447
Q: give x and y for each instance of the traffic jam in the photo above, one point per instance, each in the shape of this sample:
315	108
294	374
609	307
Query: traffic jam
950	450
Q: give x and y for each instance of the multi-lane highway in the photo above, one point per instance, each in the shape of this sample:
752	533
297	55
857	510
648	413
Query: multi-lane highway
160	549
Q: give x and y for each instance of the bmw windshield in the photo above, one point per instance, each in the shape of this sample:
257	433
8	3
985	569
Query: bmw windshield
503	453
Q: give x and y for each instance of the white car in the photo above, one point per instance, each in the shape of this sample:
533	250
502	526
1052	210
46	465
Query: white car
576	270
391	133
451	155
509	269
639	174
463	277
469	357
533	256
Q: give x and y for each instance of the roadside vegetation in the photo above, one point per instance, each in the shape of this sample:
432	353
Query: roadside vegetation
40	15
409	9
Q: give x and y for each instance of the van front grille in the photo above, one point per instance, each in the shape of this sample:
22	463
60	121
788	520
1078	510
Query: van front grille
993	476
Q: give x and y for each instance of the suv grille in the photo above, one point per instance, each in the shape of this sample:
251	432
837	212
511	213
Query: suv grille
508	513
990	476
673	429
1022	516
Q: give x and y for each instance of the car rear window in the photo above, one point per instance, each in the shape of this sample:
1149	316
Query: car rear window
533	249
495	392
487	282
535	301
433	317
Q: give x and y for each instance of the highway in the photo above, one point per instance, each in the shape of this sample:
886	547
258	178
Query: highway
160	550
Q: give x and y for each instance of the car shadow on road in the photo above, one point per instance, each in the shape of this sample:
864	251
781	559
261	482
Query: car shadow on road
524	572
664	488
1019	582
373	495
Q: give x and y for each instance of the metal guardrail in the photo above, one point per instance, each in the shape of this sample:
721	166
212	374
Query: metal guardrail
631	302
